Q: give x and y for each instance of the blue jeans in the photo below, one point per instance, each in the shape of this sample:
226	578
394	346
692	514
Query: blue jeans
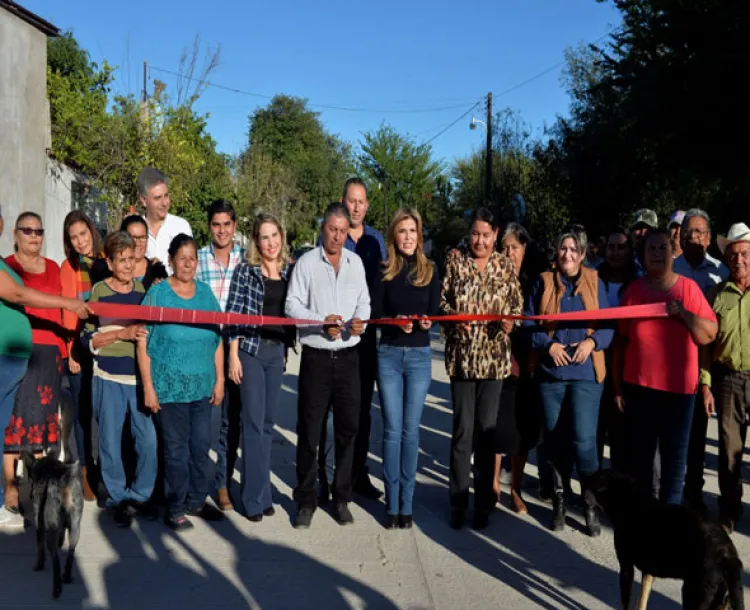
84	431
260	391
655	418
188	469
112	403
571	416
229	430
404	375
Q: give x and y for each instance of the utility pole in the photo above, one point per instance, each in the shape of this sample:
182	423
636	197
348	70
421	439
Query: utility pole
488	155
145	78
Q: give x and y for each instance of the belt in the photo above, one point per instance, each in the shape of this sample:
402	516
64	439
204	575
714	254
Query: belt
330	353
723	369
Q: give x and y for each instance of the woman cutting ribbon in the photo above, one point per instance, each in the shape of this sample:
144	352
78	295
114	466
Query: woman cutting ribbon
478	280
408	286
571	366
257	356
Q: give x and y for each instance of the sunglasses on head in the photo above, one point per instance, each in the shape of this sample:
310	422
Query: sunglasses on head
30	231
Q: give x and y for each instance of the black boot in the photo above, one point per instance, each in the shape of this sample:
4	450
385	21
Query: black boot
558	502
558	512
593	528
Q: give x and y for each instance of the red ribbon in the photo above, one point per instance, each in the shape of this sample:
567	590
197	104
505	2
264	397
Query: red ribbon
145	313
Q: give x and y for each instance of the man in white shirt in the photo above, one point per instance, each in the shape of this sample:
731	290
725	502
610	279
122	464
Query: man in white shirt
697	264
328	284
163	227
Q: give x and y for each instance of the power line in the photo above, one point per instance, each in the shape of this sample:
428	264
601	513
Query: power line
515	88
451	124
543	73
316	105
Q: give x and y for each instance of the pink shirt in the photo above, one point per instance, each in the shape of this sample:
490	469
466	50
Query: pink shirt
661	353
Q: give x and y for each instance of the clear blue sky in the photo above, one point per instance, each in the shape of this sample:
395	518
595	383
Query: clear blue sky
409	54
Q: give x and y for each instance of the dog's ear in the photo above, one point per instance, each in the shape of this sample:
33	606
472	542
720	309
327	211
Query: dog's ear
28	460
54	453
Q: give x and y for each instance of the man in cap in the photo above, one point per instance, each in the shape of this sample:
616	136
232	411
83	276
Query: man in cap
725	370
675	222
697	264
643	221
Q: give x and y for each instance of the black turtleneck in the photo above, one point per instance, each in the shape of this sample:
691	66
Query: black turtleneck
401	297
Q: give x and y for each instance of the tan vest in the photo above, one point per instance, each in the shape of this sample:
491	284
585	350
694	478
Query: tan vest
588	289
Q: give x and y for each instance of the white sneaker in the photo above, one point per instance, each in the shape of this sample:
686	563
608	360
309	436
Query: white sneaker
9	520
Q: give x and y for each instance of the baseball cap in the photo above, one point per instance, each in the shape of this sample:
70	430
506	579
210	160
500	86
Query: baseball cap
676	218
645	217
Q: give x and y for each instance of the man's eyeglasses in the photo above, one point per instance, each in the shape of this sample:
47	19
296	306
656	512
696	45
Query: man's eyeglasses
139	237
698	232
30	231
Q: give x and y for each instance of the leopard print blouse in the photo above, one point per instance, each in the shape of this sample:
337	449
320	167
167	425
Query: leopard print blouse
483	351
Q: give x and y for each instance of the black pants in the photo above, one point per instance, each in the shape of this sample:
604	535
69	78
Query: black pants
475	405
696	453
611	431
368	365
326	376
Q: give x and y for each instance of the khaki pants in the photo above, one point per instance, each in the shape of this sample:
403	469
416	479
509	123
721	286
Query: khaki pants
732	394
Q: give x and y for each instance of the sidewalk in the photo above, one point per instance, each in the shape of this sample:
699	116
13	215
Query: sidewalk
515	563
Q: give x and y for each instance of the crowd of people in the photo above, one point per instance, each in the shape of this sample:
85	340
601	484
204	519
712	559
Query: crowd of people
643	387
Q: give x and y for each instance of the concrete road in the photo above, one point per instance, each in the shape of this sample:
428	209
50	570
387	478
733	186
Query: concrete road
515	563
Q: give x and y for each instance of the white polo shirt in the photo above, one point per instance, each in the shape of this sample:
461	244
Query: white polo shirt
158	247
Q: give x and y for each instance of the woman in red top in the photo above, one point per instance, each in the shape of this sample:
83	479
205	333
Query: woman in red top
34	422
655	367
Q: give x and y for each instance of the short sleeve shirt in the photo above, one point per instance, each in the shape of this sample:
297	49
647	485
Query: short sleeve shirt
660	352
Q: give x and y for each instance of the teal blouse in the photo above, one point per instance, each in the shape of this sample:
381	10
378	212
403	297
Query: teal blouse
15	329
182	355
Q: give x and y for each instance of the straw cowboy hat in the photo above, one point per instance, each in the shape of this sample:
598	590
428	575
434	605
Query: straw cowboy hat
737	232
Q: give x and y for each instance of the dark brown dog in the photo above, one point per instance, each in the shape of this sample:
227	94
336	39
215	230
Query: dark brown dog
57	497
665	541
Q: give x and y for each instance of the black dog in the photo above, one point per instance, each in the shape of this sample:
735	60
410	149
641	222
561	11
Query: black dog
665	541
57	496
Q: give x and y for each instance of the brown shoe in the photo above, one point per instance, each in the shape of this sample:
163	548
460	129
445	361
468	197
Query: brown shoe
88	493
223	500
519	506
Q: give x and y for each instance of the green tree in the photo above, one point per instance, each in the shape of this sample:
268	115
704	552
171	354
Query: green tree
661	124
400	173
112	140
316	163
78	95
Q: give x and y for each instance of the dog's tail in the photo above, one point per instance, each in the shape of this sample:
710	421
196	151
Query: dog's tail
733	578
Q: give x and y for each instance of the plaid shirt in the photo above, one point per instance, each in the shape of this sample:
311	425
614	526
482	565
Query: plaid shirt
246	294
218	277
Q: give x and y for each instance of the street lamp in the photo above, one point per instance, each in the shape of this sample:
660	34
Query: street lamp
475	121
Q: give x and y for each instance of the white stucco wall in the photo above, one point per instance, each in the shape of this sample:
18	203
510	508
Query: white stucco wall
24	121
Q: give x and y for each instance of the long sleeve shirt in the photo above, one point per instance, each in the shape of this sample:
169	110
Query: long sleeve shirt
316	290
246	295
568	333
483	350
732	346
400	297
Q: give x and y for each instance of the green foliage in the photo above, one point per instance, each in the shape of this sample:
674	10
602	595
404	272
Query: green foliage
657	115
112	140
399	172
301	167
